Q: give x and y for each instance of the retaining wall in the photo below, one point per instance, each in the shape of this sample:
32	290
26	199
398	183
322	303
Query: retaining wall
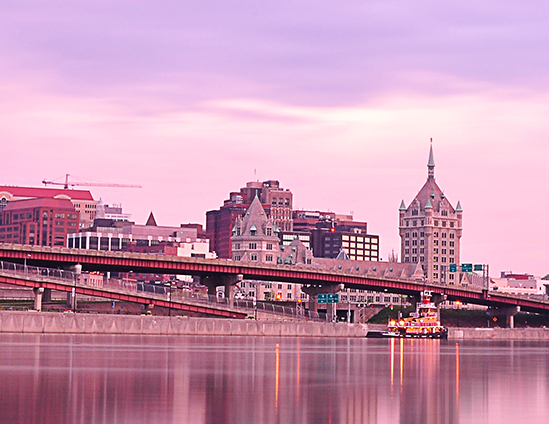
68	323
498	333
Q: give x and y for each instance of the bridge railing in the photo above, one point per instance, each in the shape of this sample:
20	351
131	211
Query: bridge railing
158	291
36	272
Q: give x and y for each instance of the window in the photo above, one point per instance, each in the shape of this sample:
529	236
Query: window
236	257
289	286
436	223
236	246
435	258
252	246
452	235
253	257
444	235
269	246
269	231
451	225
435	234
289	295
280	287
269	258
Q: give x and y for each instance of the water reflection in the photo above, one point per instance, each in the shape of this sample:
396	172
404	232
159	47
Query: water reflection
152	379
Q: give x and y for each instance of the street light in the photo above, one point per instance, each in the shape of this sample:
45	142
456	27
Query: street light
458	303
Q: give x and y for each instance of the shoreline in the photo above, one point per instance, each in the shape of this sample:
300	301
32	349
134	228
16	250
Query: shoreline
33	322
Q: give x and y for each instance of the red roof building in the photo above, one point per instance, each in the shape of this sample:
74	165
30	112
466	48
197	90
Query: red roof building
82	200
40	222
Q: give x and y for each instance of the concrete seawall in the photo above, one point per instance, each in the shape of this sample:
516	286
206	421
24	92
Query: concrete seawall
498	334
68	323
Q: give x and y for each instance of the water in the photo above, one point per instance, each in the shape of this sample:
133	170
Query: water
156	379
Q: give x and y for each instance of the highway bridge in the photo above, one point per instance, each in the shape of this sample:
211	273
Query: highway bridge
391	277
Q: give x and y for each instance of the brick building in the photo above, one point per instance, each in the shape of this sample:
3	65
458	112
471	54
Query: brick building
40	222
82	200
276	202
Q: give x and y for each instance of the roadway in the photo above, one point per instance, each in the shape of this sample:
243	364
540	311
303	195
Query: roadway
375	276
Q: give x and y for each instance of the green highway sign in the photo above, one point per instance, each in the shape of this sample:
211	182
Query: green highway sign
453	268
466	267
478	267
327	298
333	298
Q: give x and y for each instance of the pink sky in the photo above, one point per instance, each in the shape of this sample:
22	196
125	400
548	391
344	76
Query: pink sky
336	100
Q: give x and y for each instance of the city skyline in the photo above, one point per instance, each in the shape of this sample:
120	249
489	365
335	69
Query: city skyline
337	103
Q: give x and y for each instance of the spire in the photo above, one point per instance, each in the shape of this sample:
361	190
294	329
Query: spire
151	221
431	164
402	206
458	207
428	205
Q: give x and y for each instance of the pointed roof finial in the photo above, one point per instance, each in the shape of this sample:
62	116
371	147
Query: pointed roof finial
431	164
402	206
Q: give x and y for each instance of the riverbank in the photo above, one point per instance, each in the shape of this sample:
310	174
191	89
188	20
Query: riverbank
70	323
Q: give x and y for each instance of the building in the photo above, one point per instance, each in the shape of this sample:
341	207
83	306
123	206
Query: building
39	222
82	200
514	283
351	238
112	235
276	202
255	236
113	213
430	230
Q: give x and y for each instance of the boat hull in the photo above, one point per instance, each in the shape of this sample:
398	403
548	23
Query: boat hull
403	335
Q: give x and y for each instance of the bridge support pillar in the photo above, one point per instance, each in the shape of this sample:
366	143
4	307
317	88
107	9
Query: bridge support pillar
313	290
38	293
228	281
71	296
509	312
437	299
47	295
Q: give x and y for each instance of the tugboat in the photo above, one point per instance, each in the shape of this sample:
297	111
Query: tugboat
423	323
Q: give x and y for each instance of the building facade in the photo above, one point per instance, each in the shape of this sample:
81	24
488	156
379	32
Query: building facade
277	203
38	222
430	230
82	200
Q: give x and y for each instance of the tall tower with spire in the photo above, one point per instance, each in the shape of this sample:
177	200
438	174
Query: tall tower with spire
430	230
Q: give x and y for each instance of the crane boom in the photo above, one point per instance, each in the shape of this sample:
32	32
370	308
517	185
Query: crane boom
68	184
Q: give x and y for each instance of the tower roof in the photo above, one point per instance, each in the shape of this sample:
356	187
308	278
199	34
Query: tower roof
430	195
255	218
431	163
402	206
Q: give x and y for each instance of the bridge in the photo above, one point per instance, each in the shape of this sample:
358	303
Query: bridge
399	278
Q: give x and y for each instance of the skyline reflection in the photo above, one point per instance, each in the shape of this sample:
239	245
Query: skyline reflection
157	379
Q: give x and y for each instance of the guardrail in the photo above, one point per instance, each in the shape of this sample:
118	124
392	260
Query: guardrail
158	291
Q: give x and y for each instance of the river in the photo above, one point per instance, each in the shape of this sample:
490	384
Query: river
197	379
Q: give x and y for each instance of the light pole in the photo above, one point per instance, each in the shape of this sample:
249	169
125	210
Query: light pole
458	303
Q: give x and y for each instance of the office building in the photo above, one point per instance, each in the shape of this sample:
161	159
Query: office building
430	230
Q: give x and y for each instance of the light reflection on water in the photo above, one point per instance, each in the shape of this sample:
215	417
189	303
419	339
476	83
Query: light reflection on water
156	379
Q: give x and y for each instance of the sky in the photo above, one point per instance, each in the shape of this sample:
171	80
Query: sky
336	100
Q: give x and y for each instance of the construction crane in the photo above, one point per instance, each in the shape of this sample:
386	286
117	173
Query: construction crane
68	184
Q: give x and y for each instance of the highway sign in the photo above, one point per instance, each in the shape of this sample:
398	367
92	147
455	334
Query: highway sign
466	267
453	268
478	267
328	298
